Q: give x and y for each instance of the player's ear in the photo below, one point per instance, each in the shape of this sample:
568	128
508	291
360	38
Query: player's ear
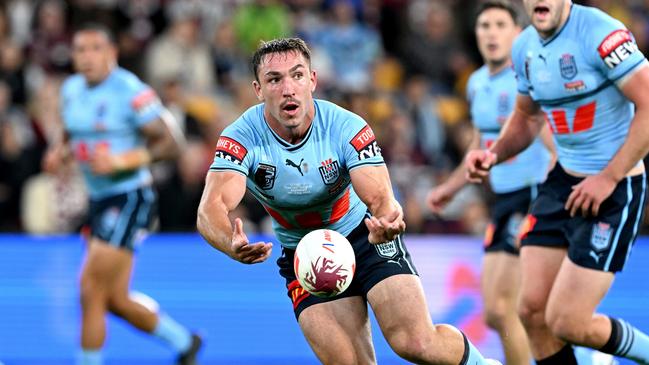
257	86
314	80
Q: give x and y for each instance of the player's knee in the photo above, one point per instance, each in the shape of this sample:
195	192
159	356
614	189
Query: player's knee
566	328
496	316
531	313
410	345
117	304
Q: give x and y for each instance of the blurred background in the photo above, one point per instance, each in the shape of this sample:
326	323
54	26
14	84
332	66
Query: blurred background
400	64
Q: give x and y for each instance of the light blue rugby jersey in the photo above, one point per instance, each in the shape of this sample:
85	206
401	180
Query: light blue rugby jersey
572	76
491	99
108	115
302	186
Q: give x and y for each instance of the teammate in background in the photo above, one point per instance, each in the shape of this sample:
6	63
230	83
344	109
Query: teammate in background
114	129
580	71
491	95
314	165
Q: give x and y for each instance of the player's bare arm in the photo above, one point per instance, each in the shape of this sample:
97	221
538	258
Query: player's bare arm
223	192
588	195
520	130
373	186
57	154
161	145
442	194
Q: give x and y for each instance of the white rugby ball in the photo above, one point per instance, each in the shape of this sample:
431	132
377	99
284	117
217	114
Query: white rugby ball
324	263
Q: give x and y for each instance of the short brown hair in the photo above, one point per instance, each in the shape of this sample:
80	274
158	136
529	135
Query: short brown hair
280	45
498	4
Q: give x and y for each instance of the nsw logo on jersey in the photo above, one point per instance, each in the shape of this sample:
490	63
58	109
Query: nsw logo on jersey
145	102
230	150
364	143
568	66
617	47
329	171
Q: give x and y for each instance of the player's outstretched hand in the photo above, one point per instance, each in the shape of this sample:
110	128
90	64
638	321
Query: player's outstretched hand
385	228
438	198
589	194
246	252
478	163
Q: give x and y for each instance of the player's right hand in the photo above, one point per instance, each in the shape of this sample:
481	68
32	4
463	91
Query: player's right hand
438	198
244	251
53	160
478	163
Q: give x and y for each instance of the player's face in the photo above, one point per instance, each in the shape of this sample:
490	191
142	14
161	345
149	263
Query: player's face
547	15
93	55
286	85
495	32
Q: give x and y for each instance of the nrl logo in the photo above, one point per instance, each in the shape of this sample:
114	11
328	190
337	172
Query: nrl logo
329	171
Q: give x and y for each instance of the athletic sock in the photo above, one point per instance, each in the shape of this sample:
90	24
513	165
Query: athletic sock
627	341
565	356
173	333
89	357
471	355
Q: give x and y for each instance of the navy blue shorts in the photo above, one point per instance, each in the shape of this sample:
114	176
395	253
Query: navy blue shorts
601	243
123	220
373	264
507	215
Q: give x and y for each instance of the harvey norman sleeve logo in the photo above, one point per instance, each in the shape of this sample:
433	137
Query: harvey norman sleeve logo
230	150
617	47
364	143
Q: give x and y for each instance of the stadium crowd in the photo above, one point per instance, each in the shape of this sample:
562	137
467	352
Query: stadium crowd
400	64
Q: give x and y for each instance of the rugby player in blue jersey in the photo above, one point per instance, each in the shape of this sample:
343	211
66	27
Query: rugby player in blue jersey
312	165
581	72
114	129
491	92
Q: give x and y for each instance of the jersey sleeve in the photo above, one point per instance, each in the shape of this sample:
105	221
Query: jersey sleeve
144	104
359	144
232	151
521	65
611	47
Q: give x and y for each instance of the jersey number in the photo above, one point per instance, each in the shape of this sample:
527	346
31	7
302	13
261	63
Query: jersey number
583	121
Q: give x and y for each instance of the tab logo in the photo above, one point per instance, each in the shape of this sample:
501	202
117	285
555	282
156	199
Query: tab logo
230	150
364	142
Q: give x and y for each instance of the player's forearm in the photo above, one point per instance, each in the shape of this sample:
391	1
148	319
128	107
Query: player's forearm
215	227
517	134
634	149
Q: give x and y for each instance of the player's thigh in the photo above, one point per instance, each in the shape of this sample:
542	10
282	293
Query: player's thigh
338	331
539	268
501	277
105	266
400	306
576	293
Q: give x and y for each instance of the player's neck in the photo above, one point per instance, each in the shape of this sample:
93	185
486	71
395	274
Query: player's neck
292	134
562	22
495	67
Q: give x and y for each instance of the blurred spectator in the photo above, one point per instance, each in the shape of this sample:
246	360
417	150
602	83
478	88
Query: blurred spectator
261	20
432	48
19	157
12	71
351	46
186	57
49	48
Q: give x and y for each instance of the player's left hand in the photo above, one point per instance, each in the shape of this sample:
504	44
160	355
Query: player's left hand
385	228
589	194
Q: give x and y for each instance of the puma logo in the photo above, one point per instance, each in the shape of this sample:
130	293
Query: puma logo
297	166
